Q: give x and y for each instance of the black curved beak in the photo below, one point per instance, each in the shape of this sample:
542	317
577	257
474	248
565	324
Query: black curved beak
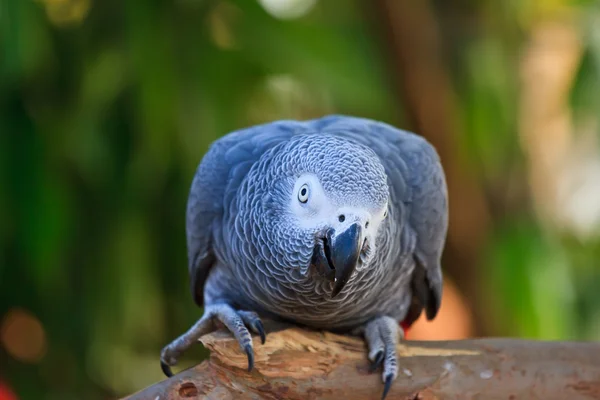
344	251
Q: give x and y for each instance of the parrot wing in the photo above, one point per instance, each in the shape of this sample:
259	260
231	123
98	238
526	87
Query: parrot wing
215	184
418	196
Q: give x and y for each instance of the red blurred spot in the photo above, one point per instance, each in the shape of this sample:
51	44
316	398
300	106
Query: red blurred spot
405	326
23	336
6	393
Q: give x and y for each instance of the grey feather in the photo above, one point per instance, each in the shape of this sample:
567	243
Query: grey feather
418	187
242	250
215	183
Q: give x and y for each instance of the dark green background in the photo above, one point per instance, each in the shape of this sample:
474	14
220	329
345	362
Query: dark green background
106	107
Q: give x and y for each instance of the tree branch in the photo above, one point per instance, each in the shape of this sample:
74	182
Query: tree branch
301	364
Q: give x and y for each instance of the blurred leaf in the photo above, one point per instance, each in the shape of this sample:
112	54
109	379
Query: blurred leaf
24	40
489	85
584	97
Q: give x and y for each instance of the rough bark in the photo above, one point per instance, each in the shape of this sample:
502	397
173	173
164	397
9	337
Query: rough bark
301	364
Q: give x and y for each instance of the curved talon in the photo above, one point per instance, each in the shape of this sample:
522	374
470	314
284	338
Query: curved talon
388	385
258	326
166	369
377	362
250	353
237	322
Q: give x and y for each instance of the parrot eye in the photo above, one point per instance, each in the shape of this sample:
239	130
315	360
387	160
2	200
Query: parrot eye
303	194
385	214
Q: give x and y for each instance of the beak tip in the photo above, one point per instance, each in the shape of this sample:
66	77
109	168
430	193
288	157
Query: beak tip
345	254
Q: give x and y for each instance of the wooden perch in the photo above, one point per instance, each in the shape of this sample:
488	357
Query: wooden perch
300	364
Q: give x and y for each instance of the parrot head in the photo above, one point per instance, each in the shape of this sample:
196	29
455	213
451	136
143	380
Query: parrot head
335	200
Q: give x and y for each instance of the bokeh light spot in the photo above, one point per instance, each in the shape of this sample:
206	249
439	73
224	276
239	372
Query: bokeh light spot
220	24
66	12
287	9
6	393
23	336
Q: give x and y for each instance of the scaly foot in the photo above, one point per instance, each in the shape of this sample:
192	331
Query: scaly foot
382	335
236	321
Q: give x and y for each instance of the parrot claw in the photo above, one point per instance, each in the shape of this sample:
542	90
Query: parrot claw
252	320
261	331
377	362
166	369
237	323
382	335
388	384
250	354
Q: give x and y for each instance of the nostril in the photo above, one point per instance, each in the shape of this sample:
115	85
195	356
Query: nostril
367	224
341	218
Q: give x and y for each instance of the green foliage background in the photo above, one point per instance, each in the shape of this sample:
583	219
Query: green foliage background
106	108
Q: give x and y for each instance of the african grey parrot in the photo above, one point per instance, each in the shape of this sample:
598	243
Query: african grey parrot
336	223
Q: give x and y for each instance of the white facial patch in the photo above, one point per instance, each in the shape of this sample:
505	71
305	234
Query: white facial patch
314	209
309	202
378	217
